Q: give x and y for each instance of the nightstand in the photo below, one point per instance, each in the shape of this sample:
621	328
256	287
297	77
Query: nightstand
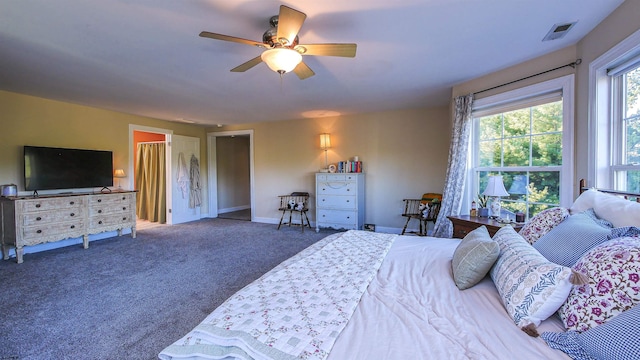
464	224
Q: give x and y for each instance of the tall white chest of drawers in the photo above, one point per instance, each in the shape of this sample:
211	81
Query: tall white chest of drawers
340	201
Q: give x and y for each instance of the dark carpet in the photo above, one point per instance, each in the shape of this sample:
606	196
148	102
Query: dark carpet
127	298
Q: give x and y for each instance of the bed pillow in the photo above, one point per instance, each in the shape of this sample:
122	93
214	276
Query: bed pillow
619	211
619	338
613	270
473	258
542	222
569	240
531	287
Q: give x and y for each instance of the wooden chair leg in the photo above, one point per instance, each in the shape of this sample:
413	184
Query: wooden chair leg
290	216
281	217
307	217
405	226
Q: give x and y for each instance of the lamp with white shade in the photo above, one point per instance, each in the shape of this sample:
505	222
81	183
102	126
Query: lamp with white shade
325	144
495	189
119	173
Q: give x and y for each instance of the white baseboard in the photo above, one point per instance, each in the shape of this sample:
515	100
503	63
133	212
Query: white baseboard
235	208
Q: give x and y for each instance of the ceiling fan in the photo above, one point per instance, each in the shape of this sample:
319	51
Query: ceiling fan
283	52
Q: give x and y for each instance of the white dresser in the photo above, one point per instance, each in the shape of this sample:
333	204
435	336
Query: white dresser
340	201
28	221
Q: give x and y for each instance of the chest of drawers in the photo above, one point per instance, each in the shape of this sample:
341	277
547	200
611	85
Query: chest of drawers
28	221
340	201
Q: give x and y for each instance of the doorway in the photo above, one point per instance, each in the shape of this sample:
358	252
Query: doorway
148	163
231	174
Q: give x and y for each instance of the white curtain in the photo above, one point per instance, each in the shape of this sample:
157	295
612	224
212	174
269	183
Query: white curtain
457	168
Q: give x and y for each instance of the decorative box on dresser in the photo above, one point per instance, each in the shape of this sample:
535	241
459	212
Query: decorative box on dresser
340	200
28	221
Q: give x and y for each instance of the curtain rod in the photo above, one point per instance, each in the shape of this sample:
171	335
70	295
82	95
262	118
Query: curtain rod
573	65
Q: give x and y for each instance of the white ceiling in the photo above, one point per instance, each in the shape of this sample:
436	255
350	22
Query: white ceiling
145	57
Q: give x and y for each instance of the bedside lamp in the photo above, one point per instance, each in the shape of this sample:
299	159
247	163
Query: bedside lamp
495	189
119	173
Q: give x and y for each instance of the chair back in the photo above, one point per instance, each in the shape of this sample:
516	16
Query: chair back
292	202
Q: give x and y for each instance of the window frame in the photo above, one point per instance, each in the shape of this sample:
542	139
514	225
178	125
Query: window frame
605	148
510	100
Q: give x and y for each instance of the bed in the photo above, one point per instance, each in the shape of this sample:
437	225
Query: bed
365	295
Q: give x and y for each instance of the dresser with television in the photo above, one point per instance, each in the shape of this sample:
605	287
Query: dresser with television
28	221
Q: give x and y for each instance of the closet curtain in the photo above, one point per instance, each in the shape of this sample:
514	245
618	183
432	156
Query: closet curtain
151	201
457	168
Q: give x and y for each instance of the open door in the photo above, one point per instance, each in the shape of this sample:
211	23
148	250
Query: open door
186	192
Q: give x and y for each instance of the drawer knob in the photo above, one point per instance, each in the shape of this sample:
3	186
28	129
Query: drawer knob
71	202
124	218
348	200
348	189
100	222
73	226
124	198
99	211
38	218
72	214
39	231
124	208
99	200
37	205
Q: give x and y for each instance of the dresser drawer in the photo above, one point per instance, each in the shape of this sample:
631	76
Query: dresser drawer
43	218
44	204
346	202
32	235
109	208
109	199
120	220
337	217
336	188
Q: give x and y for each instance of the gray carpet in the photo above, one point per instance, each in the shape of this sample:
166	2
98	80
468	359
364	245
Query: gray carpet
129	298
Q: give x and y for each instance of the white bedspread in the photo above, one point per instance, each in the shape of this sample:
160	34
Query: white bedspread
413	310
297	310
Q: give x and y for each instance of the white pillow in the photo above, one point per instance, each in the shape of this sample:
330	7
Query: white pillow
617	210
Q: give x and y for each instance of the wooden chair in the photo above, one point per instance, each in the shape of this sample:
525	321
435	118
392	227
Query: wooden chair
296	202
424	210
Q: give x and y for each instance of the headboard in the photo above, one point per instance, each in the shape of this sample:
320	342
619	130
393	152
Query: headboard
626	195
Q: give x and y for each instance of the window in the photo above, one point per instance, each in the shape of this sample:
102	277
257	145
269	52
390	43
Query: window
614	133
625	169
526	136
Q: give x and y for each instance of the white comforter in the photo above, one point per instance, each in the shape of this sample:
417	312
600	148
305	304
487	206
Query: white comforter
413	310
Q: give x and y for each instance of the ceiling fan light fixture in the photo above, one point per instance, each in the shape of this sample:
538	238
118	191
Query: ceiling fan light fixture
281	60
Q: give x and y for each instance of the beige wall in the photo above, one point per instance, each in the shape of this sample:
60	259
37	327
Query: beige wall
616	27
404	154
28	120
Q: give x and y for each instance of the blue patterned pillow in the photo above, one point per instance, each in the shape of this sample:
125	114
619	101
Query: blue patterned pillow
618	338
572	238
531	287
577	234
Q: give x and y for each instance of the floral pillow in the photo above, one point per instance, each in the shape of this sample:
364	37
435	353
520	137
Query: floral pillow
613	270
542	223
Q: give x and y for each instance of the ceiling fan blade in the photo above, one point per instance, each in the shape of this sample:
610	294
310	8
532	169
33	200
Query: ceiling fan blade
345	50
303	71
230	38
248	65
289	24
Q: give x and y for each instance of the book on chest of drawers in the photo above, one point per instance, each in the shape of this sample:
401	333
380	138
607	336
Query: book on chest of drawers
28	221
340	200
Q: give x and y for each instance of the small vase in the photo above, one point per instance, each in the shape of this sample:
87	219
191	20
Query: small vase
483	212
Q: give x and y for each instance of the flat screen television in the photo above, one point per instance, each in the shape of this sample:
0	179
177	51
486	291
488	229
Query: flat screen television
48	168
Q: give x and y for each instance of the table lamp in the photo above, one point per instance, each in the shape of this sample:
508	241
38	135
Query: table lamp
495	189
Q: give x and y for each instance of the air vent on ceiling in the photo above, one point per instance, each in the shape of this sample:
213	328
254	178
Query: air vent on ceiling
558	31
